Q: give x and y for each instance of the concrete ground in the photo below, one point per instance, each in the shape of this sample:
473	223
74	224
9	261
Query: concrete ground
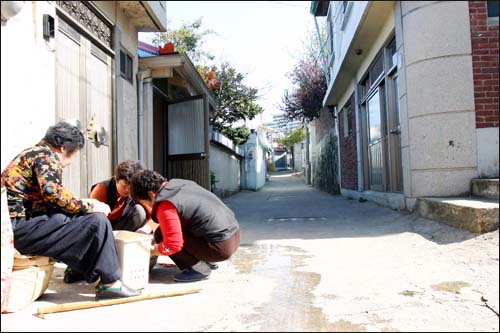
309	261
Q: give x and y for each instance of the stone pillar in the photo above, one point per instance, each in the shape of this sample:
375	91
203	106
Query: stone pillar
436	98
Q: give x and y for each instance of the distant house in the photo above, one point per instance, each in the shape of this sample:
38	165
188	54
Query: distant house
177	140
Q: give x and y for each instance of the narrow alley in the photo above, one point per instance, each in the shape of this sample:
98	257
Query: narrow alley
309	261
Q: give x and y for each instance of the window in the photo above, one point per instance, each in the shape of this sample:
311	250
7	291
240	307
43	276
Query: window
392	59
344	6
493	8
346	10
126	66
347	118
493	12
379	104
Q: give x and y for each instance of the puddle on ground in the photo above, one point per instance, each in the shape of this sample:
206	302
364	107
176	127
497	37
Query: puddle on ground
291	307
451	286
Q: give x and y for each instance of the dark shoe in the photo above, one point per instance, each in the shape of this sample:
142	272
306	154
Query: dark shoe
190	275
72	276
212	266
105	292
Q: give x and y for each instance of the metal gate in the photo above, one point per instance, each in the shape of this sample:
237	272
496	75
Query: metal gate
84	95
181	138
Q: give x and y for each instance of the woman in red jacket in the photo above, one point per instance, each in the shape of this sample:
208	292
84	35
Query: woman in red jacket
196	227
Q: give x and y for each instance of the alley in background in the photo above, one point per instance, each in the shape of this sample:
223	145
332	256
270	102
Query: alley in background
309	261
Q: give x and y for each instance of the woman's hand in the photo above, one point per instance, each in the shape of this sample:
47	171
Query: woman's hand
145	229
154	250
98	206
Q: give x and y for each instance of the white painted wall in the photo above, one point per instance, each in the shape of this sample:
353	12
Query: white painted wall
343	38
298	155
254	164
28	74
226	168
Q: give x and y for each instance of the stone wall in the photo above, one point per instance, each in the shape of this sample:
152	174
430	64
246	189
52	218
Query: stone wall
326	164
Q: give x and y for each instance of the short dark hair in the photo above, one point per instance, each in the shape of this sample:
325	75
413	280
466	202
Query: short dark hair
126	169
64	135
145	181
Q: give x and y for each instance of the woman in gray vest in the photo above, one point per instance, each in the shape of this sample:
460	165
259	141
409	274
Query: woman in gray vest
196	227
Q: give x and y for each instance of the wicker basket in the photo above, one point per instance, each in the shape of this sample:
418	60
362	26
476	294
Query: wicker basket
30	278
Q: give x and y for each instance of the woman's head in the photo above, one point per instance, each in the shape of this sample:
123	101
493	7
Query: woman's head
66	140
123	175
64	135
145	185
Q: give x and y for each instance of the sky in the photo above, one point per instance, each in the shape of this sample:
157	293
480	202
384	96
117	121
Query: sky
260	38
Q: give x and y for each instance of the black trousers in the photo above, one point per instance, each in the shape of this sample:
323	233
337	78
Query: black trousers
84	243
135	219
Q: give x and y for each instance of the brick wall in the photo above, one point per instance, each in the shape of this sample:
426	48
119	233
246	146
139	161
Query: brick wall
348	154
484	40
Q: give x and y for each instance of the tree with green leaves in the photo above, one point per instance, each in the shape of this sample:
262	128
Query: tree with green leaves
236	101
295	137
187	39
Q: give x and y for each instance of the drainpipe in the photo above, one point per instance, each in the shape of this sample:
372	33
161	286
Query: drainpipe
141	75
140	117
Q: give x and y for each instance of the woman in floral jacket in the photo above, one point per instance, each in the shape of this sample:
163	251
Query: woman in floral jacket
48	220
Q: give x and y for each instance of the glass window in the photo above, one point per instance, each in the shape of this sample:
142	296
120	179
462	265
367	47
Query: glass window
377	69
392	54
396	100
374	118
493	8
126	66
346	115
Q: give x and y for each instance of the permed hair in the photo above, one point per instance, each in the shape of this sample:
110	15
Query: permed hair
145	181
127	169
64	135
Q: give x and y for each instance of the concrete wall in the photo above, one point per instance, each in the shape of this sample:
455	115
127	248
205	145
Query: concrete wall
344	38
28	80
436	98
226	168
487	152
28	74
298	157
254	167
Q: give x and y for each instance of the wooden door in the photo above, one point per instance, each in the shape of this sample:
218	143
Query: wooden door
84	95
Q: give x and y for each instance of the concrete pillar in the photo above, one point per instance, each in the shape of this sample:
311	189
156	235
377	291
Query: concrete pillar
436	98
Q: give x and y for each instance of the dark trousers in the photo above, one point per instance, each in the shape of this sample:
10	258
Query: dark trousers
133	220
197	248
85	243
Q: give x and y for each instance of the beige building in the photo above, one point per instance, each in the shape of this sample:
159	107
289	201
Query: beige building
414	88
74	60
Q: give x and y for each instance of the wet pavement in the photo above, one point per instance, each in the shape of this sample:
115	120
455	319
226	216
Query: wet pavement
309	261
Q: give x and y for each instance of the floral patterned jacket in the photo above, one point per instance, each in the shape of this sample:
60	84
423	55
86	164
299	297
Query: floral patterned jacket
34	185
